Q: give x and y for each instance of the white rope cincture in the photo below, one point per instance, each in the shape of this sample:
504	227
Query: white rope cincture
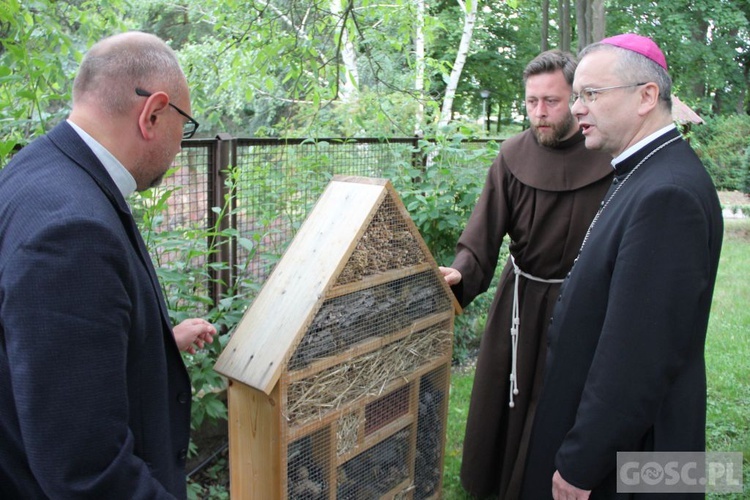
515	326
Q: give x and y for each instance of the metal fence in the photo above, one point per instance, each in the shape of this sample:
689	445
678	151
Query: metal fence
232	205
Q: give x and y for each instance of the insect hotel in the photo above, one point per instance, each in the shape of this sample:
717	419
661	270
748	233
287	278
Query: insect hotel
339	370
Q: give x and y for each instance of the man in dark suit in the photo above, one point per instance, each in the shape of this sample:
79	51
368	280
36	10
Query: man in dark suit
625	366
94	396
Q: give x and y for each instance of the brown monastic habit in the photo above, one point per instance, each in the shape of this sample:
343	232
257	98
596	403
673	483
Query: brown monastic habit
544	199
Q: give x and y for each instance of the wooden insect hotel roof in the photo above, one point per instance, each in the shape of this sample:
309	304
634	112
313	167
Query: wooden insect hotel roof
328	252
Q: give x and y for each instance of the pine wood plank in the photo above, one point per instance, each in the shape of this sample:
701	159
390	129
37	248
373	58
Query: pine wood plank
253	443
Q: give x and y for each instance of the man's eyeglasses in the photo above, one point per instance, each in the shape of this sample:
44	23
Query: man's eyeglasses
588	95
188	130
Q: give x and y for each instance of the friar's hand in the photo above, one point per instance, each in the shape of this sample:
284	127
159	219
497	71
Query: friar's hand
452	276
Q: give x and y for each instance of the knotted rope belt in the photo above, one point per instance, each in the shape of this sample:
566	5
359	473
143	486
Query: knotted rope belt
515	325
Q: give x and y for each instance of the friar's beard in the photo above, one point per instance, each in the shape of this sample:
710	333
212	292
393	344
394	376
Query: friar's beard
558	133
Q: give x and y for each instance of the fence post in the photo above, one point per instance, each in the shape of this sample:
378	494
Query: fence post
221	275
418	156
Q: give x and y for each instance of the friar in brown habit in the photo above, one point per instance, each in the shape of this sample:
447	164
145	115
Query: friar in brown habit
542	191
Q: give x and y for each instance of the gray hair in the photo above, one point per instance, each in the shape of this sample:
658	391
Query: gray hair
632	66
551	61
115	66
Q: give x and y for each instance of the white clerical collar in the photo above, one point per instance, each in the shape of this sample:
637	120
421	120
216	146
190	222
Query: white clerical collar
119	174
638	145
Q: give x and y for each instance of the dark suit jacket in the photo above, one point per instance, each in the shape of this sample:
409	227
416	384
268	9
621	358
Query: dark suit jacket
94	396
625	366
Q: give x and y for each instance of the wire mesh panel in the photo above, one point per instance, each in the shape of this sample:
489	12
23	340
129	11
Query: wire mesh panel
366	375
280	181
189	204
378	470
387	244
372	312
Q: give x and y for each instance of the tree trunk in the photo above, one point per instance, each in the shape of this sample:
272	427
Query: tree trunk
420	67
564	20
470	16
743	98
349	77
590	21
598	20
582	24
544	42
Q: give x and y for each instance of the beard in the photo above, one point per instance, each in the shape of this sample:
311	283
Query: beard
558	131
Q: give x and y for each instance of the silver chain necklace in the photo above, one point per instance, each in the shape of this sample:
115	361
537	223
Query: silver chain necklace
598	213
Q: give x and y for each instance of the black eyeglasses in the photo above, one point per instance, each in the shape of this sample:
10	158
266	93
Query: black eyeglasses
588	95
188	130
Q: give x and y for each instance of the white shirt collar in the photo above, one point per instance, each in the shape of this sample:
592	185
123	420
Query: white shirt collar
638	145
119	174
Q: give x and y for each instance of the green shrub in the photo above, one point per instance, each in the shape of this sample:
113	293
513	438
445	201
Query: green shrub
722	145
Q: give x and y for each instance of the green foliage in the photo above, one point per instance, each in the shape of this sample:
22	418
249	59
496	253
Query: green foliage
722	145
260	68
505	40
462	380
41	44
705	43
212	482
727	350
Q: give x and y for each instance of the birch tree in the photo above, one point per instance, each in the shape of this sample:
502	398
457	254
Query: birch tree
469	8
420	67
349	79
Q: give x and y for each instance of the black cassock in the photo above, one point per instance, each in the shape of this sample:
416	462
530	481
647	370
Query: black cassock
625	365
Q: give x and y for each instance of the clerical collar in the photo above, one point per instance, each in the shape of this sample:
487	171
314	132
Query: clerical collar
119	174
640	144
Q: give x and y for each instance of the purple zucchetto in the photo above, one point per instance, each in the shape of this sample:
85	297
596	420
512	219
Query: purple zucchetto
640	44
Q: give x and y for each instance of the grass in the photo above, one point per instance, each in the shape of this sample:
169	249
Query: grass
727	366
728	351
458	408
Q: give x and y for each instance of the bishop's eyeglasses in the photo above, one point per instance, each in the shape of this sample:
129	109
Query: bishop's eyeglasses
588	95
188	130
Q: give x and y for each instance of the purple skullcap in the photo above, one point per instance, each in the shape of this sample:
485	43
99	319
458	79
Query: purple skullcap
640	44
